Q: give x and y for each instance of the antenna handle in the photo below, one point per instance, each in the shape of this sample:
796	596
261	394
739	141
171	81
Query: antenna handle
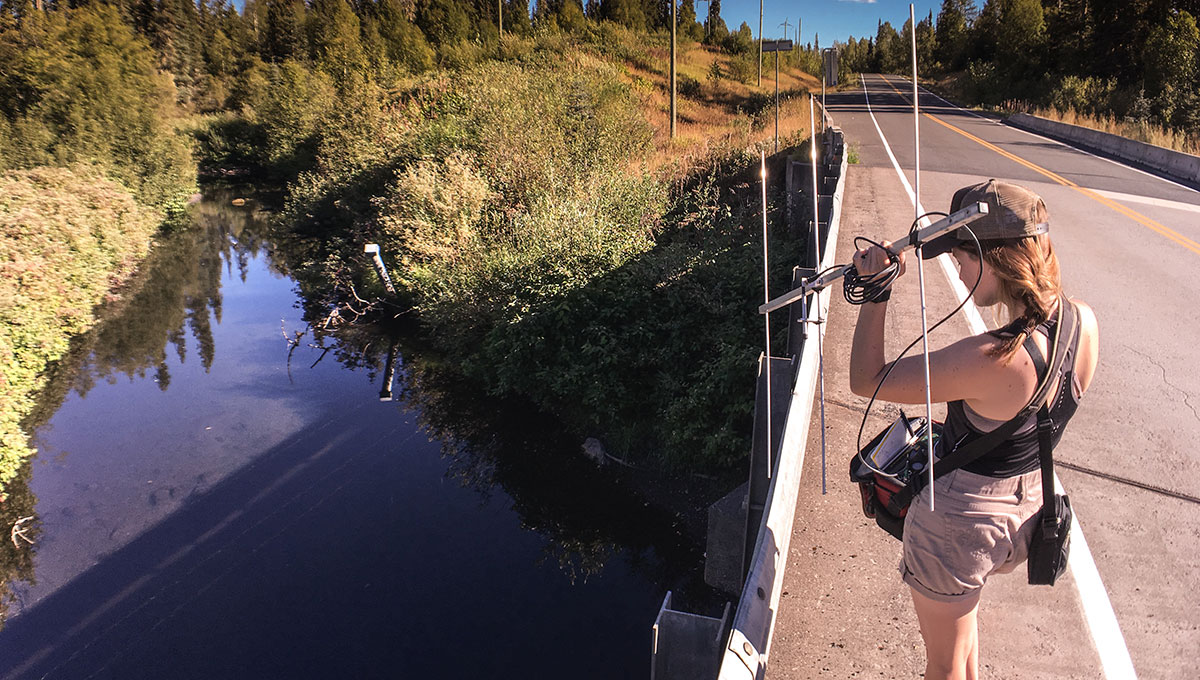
955	220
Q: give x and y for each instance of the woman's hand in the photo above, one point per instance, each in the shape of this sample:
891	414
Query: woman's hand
873	259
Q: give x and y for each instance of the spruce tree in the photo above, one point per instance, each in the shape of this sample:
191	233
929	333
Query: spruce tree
283	35
445	22
406	45
333	38
952	34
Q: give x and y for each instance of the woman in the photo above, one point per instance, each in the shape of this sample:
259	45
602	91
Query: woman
982	523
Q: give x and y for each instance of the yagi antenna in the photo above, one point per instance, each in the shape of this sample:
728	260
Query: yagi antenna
912	19
762	173
957	219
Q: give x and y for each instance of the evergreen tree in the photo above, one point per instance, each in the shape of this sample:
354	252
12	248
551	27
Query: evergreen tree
284	35
889	49
1020	37
444	22
715	30
1172	58
570	16
688	27
517	19
629	13
952	34
741	42
1071	25
404	42
334	39
926	45
984	32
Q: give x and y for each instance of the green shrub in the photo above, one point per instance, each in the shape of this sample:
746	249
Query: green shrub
743	67
68	239
92	93
294	112
1089	94
985	85
227	140
688	86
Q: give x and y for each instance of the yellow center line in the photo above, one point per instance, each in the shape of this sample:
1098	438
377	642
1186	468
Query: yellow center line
1131	214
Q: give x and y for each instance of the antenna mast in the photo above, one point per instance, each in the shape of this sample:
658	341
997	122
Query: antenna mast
912	22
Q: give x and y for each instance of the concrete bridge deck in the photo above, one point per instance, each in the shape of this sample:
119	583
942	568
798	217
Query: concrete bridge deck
1128	244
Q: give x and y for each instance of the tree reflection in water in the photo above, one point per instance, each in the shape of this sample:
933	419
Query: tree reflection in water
587	515
176	294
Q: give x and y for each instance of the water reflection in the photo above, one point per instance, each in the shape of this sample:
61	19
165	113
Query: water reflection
16	556
174	298
171	318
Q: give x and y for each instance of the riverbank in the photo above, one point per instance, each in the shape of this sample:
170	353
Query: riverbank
556	244
71	240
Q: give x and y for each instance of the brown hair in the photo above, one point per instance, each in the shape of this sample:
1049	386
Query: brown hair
1027	270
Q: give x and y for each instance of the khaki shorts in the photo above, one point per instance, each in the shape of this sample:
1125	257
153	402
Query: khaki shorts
980	526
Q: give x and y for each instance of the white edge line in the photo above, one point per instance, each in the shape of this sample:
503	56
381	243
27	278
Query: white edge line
1148	200
1097	609
1056	141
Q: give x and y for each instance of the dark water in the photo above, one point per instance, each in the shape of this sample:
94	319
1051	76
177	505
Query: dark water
214	502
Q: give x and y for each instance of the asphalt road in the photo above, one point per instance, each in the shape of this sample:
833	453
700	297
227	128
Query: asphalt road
1129	244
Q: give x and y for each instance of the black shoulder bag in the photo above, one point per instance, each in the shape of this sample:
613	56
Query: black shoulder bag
1051	543
1048	553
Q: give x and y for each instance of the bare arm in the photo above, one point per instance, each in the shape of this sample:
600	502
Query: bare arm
964	370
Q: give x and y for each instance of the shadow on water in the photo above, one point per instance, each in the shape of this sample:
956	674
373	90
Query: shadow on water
176	292
337	549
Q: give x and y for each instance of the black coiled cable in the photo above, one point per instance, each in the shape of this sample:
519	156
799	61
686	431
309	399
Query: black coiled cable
895	263
860	289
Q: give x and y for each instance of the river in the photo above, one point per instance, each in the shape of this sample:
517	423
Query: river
221	493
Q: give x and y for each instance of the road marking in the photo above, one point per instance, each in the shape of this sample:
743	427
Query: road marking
1156	202
1050	139
1135	216
974	318
1097	609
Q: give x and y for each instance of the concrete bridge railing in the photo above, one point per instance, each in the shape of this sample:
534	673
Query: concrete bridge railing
1175	164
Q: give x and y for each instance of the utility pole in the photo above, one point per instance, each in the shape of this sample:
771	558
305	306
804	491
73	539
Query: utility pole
785	25
673	69
760	8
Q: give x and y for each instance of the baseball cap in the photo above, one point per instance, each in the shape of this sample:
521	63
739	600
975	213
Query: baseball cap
1013	212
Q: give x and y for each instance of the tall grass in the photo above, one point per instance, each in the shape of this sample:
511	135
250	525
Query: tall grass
1141	131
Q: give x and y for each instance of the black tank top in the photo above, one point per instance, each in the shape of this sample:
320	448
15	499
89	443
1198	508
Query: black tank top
1019	453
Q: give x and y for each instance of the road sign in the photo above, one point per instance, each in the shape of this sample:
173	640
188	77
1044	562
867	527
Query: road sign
831	66
777	46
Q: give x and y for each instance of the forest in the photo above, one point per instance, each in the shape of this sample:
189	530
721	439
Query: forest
1136	64
512	164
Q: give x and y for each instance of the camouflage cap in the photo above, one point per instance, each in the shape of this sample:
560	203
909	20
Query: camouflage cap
1013	212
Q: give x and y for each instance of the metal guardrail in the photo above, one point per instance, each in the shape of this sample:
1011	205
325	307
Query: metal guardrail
748	643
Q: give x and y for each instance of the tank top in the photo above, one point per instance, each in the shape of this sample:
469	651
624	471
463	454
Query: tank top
1019	453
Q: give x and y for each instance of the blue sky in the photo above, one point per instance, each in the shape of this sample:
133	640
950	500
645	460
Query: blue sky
830	19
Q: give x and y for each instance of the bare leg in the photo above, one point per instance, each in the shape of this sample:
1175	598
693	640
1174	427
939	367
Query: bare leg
951	634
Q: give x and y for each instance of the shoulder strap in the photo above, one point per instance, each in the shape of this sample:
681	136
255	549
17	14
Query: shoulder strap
977	448
1045	427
